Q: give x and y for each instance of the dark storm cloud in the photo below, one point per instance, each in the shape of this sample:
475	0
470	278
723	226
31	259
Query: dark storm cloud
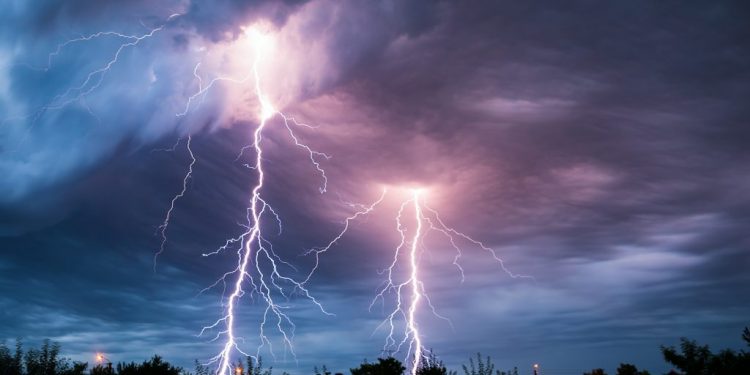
606	138
600	147
234	14
43	117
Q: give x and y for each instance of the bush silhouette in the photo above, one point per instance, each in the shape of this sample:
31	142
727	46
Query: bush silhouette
694	359
430	365
689	358
628	369
155	366
385	366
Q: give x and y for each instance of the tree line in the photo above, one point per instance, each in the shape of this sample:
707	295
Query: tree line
689	358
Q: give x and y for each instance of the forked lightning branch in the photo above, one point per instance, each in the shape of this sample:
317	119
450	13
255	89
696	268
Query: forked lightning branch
258	271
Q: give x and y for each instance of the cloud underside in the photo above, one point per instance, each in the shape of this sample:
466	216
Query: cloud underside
601	148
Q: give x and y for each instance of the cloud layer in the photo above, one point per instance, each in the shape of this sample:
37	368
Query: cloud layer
600	148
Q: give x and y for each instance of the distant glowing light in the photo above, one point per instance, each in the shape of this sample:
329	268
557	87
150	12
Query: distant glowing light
263	44
266	109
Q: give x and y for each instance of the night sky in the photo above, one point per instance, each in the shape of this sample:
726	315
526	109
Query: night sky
602	148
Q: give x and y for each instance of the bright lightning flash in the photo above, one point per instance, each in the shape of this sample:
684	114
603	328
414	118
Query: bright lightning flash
258	266
410	290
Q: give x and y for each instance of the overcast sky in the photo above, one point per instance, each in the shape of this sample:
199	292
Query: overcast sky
599	147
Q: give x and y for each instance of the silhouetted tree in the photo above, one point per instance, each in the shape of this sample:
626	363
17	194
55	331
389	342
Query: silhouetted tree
155	366
694	359
596	371
322	371
17	365
6	359
77	368
256	367
11	364
43	361
200	369
430	365
385	366
485	367
99	370
628	369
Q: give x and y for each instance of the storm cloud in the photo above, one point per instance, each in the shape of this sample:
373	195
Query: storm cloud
599	147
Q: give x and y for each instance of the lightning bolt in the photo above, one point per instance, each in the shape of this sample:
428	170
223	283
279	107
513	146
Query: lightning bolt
93	78
407	308
257	270
416	288
410	291
93	81
165	224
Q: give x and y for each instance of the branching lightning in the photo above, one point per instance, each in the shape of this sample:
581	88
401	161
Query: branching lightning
405	308
94	78
257	269
362	211
165	224
93	81
409	290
